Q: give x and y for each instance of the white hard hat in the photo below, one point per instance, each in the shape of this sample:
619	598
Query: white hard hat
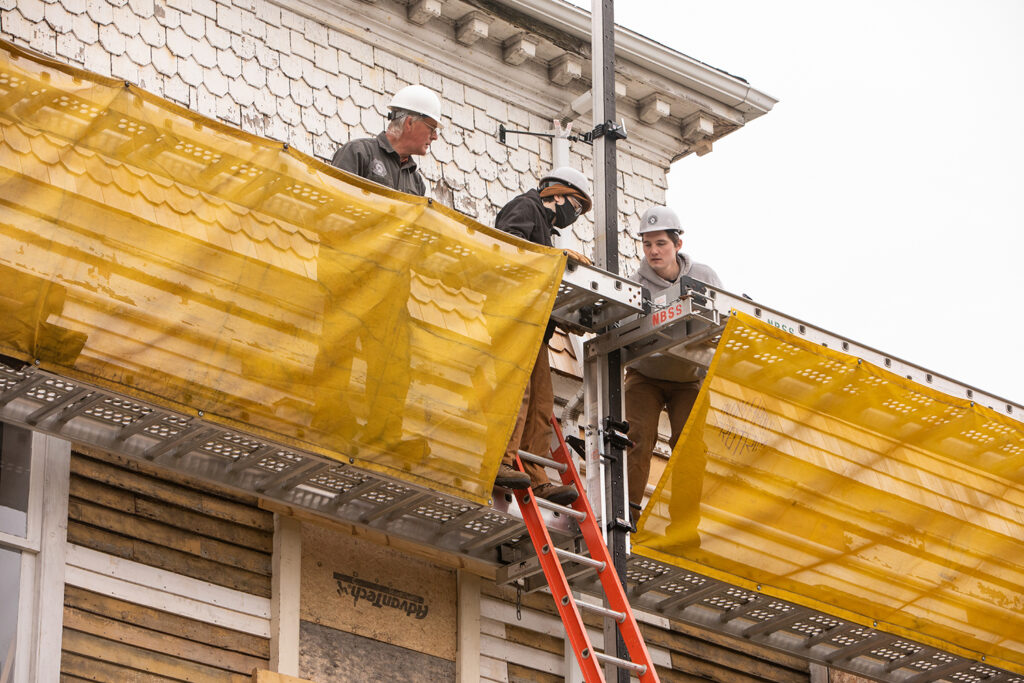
419	100
566	175
659	218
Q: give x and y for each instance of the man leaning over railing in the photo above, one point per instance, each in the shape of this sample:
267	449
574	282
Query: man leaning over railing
660	382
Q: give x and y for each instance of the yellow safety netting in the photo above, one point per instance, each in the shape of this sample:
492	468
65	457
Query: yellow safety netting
169	257
837	485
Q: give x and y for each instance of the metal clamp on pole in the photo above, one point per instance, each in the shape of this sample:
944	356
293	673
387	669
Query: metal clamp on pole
610	129
615	435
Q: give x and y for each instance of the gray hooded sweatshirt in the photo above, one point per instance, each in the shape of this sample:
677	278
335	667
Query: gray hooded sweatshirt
659	366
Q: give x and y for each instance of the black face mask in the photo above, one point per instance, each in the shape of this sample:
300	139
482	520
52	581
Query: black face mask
565	214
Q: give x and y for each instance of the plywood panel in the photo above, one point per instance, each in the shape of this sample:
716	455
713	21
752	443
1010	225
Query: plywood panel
358	587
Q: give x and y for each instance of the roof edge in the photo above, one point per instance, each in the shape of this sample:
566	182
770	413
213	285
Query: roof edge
654	56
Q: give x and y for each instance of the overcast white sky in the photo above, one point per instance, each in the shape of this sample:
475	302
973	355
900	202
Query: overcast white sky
883	197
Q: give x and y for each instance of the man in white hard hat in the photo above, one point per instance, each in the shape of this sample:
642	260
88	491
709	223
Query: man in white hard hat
659	382
536	215
414	115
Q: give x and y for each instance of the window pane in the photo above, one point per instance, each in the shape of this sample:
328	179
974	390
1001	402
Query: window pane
15	462
10	580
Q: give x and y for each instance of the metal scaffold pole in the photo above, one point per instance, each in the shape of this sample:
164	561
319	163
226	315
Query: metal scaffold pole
606	255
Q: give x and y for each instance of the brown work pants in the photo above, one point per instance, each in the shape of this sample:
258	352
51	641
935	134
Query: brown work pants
645	399
533	425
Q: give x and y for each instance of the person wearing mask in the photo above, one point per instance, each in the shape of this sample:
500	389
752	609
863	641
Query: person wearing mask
536	215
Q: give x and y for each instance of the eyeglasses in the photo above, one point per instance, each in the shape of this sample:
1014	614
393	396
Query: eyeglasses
432	125
576	205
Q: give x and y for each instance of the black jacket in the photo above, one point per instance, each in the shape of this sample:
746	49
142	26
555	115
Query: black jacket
375	159
525	216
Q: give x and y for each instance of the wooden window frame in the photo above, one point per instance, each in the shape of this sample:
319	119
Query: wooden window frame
41	594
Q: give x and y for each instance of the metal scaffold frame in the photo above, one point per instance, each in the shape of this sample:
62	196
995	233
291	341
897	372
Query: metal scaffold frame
690	321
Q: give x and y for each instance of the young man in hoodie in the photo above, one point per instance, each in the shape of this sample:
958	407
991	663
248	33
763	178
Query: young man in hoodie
536	215
659	382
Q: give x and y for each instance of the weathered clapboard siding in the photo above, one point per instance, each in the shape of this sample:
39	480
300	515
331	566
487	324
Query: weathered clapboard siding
146	479
158	641
120	496
680	652
203	553
522	674
251	650
166	591
99	658
136	516
725	659
95	670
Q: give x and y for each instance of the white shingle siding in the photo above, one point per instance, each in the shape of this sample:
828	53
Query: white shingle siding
316	82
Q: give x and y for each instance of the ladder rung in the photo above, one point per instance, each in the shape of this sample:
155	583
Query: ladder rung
580	559
602	610
639	669
546	462
564	509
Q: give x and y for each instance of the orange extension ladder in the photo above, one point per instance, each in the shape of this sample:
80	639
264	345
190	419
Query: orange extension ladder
551	558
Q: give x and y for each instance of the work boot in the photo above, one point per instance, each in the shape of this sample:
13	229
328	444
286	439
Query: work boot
561	495
511	478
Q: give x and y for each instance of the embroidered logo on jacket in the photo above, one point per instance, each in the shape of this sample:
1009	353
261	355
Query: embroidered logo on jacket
377	169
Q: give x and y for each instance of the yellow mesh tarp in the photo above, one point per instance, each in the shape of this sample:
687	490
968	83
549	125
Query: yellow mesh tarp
153	251
829	482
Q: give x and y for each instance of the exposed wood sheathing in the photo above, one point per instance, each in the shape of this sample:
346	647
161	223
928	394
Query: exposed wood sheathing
530	648
376	592
126	510
333	656
138	517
